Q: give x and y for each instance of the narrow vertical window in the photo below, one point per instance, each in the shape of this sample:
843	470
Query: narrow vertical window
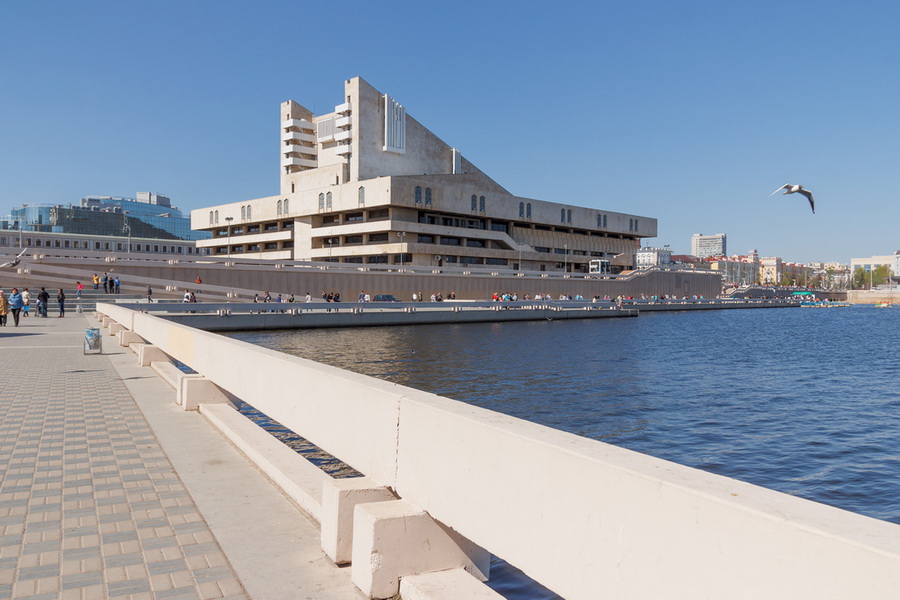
278	209
362	196
528	210
569	216
474	202
521	209
604	222
249	218
217	217
481	203
210	217
599	220
286	211
418	195
428	196
243	213
635	224
562	215
328	201
321	201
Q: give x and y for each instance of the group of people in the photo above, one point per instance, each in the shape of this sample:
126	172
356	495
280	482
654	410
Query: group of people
111	284
18	304
435	297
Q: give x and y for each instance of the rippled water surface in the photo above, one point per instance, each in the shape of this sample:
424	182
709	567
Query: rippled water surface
801	400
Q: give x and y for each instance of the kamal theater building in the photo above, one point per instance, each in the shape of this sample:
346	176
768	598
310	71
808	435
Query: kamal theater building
368	184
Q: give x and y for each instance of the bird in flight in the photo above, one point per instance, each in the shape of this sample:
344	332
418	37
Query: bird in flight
12	263
790	188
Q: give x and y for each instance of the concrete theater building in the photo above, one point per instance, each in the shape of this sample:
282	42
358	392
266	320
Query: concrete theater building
368	184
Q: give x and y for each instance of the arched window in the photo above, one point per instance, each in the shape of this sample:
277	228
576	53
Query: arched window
243	213
630	224
569	216
217	217
604	222
428	196
562	215
599	220
278	209
321	201
249	218
418	195
528	210
210	217
286	211
328	201
481	203
362	196
474	202
635	224
521	209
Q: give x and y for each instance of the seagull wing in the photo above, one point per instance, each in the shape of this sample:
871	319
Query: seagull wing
779	189
809	196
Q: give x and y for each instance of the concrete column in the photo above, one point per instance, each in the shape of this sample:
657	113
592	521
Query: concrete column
106	321
395	539
147	354
126	338
195	391
445	585
339	498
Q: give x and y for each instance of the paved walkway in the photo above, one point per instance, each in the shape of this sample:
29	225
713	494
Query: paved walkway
110	491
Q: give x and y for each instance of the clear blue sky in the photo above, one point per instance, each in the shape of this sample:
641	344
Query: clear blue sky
688	112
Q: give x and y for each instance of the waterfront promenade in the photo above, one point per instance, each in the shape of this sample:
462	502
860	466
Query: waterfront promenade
109	490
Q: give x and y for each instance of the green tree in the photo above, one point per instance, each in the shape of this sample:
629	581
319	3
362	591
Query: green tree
860	279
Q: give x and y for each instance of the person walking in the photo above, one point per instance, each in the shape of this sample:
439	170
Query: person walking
96	281
149	294
15	305
61	301
80	288
118	285
26	302
105	283
44	299
4	309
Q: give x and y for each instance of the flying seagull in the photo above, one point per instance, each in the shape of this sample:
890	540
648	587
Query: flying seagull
790	188
12	263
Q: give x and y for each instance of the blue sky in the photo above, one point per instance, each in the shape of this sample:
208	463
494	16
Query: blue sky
688	112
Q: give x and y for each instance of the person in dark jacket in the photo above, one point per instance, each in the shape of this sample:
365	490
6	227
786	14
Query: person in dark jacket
44	298
61	300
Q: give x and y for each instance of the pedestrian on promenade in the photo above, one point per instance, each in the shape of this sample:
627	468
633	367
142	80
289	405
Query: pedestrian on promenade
44	299
61	301
187	297
26	302
105	283
198	281
308	297
15	305
80	288
4	309
149	294
96	281
118	285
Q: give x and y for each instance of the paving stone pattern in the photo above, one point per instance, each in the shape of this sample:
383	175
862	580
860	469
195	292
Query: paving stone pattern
90	506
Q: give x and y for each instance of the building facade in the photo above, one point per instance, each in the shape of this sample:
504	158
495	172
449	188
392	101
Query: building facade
651	257
368	184
704	246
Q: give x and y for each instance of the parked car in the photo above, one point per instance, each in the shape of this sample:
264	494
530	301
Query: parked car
385	298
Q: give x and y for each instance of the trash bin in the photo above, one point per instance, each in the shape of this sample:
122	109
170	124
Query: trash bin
93	343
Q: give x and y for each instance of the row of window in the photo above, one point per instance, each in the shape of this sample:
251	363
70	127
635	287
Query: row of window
102	246
265	247
418	195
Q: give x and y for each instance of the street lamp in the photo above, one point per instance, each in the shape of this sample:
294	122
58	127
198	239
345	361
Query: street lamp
228	221
401	235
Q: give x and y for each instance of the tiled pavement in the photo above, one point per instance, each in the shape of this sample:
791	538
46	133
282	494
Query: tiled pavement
91	505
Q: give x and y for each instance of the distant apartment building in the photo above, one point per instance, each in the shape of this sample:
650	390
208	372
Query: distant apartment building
703	246
770	270
368	184
737	270
651	257
871	263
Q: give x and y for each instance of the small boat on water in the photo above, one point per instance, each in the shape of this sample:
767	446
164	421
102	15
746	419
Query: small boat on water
883	305
823	304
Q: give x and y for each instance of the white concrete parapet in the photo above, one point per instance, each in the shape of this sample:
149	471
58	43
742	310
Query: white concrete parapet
126	338
195	391
148	354
395	539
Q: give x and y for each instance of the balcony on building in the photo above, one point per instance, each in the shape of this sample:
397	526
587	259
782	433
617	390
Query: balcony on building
342	108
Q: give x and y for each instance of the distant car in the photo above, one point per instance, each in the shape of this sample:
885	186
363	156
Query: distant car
385	298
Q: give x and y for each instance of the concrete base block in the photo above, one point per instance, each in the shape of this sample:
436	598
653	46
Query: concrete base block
195	391
115	328
126	338
445	585
339	498
106	321
395	539
147	354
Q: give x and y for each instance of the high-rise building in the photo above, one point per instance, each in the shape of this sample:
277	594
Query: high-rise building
703	246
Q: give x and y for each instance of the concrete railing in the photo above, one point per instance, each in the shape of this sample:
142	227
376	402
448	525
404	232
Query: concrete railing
586	519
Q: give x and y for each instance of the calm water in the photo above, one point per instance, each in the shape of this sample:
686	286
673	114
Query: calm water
801	400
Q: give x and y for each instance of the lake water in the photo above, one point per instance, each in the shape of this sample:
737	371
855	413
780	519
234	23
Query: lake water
800	400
